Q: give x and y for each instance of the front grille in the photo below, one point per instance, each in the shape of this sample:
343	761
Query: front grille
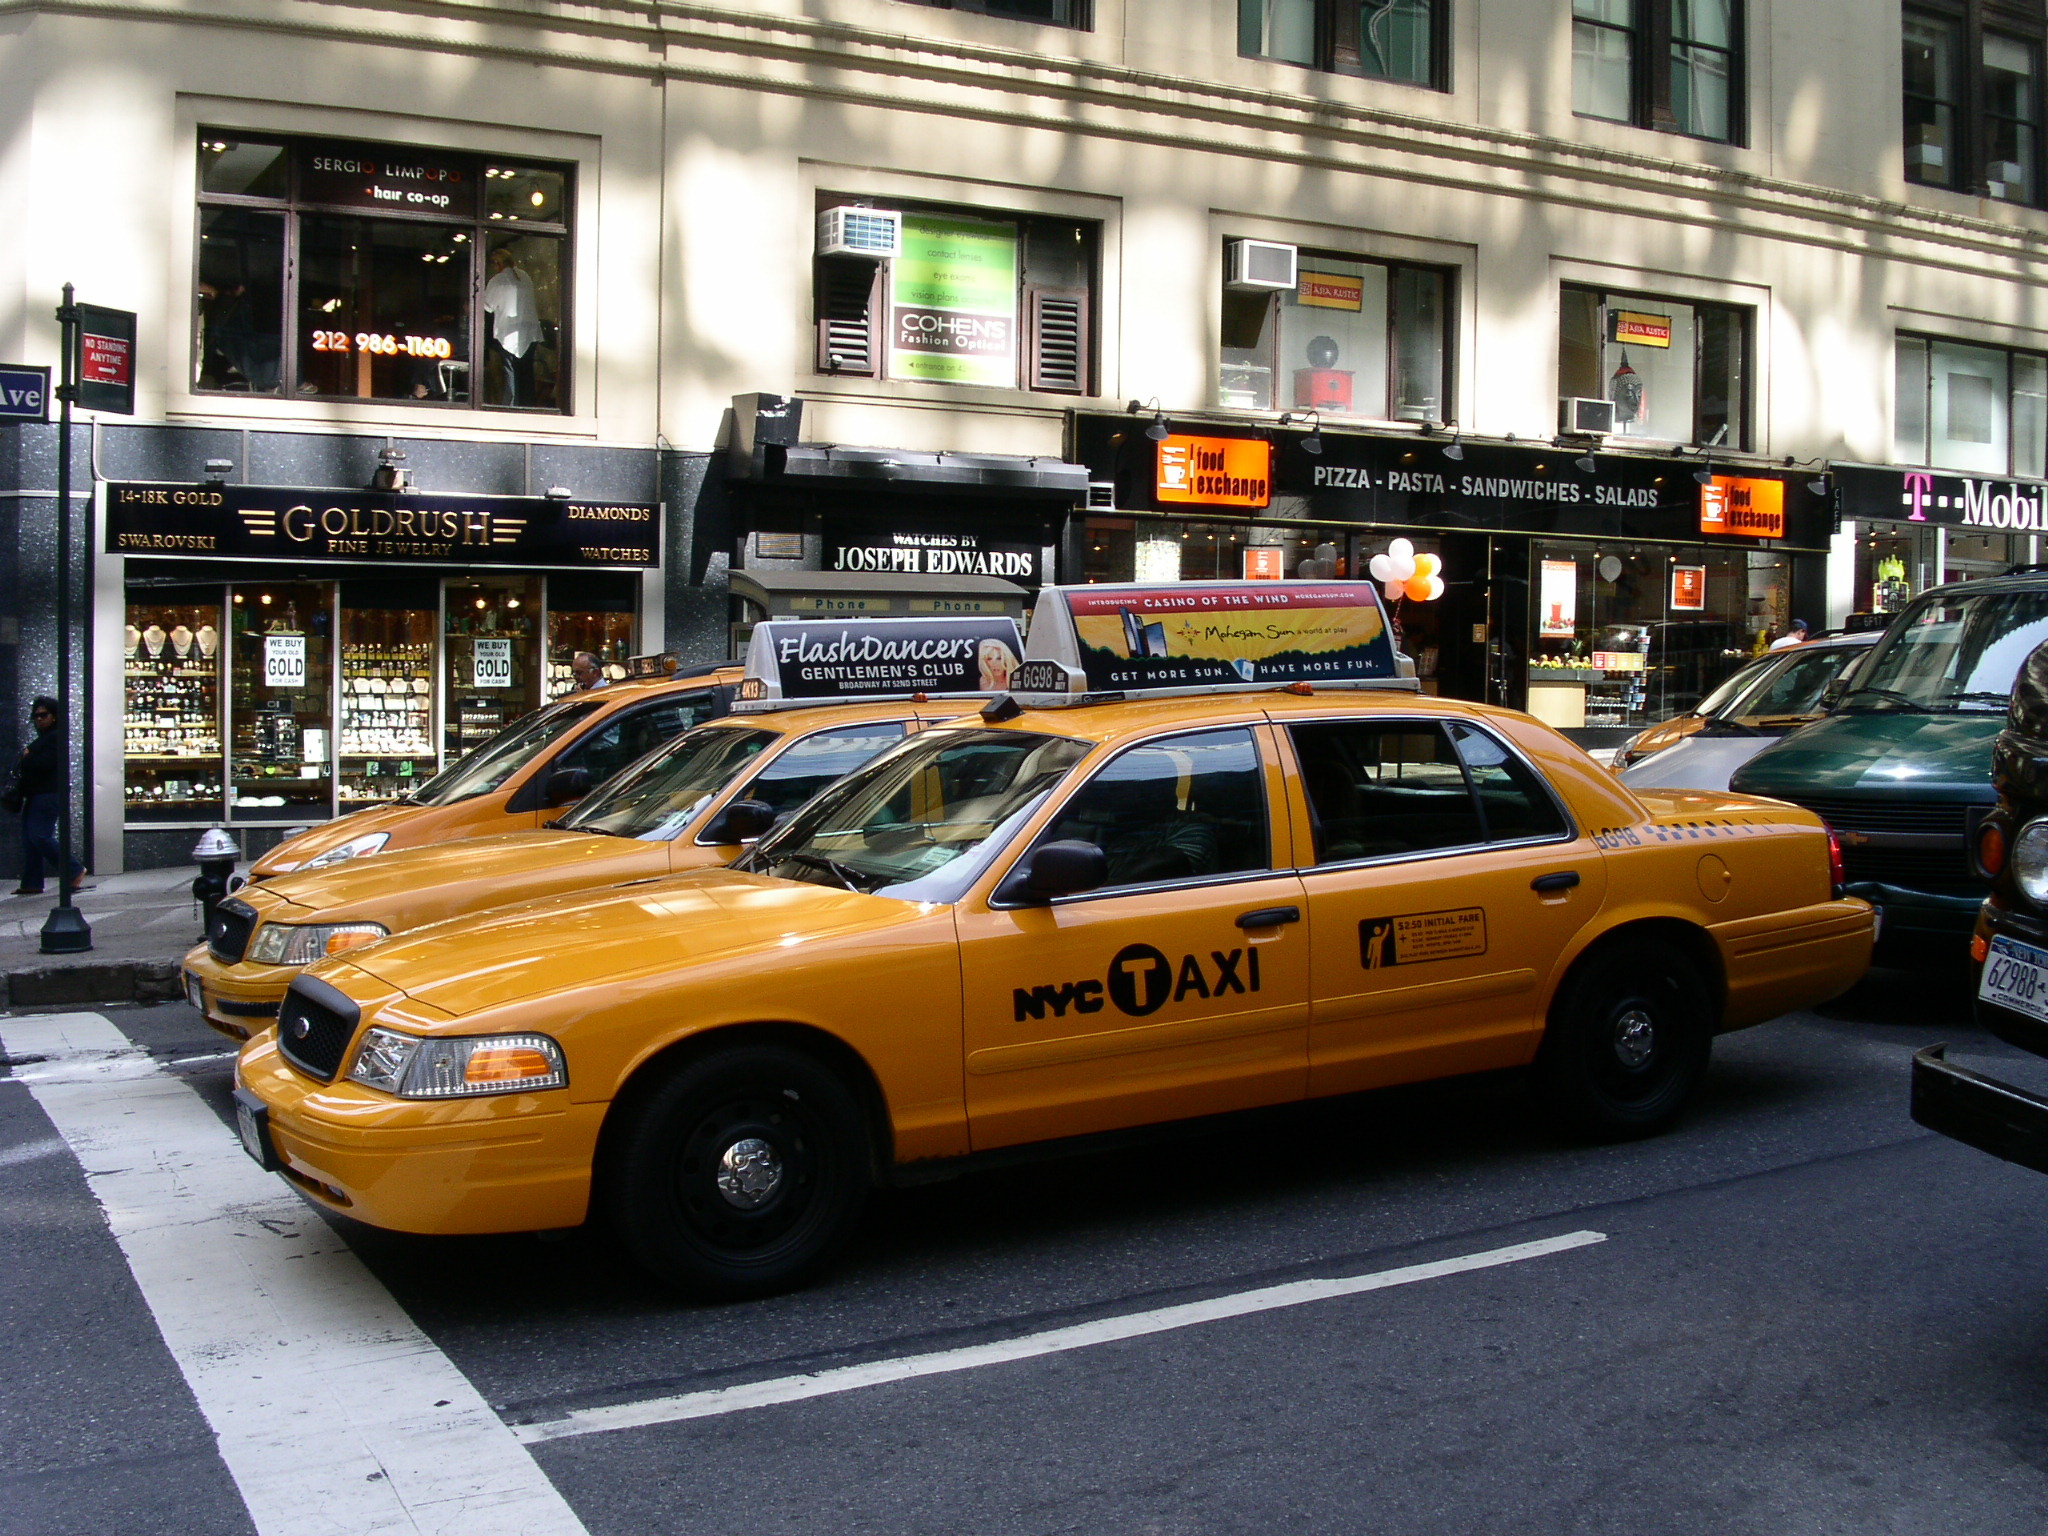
314	1030
1875	815
228	930
246	1010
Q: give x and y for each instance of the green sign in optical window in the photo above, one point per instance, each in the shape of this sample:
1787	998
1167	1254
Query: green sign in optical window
953	302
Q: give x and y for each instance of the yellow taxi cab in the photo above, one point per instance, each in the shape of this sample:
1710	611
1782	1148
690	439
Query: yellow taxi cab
1081	910
527	772
800	720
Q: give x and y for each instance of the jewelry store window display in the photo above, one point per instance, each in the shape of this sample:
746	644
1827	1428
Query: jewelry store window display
590	612
280	746
170	734
491	650
387	689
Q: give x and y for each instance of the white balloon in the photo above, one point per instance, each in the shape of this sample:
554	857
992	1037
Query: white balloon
1395	589
1404	567
1382	568
1402	549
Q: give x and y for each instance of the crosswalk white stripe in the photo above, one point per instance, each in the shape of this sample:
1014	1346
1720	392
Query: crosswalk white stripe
334	1413
791	1389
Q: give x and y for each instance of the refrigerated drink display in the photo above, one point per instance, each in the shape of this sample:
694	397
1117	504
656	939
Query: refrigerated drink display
170	734
387	703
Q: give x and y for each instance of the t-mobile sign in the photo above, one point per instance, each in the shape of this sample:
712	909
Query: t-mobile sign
106	359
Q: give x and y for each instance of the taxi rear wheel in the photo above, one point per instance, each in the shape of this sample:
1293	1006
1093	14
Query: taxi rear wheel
741	1174
1627	1042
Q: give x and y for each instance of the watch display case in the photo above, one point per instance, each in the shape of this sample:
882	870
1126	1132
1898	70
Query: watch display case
170	732
387	698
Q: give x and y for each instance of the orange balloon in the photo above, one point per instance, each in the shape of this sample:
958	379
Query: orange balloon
1428	565
1418	588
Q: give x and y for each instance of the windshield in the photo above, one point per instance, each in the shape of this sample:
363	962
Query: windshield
666	790
1793	685
491	764
1953	653
1714	703
944	801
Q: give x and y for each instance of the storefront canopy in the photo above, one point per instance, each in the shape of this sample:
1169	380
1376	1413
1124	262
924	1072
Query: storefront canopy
806	594
903	469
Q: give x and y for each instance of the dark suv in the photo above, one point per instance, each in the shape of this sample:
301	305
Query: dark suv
1900	767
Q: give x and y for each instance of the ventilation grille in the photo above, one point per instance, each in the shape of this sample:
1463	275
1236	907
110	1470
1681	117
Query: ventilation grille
1059	328
846	317
313	1036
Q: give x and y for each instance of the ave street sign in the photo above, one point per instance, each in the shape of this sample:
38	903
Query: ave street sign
24	393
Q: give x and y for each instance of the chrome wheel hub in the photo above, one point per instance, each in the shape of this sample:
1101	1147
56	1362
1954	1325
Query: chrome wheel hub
1635	1037
749	1173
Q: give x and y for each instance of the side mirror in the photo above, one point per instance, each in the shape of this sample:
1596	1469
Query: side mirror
740	822
1064	868
567	785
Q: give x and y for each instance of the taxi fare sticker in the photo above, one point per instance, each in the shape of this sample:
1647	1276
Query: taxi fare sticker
1418	936
1188	634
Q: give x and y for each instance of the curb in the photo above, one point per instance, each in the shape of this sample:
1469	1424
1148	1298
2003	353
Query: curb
95	981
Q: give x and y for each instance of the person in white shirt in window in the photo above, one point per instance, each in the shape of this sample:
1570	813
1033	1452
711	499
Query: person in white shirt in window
514	309
1796	635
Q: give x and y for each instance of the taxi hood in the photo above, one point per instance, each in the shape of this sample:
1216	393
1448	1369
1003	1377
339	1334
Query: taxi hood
389	887
1885	752
293	852
611	937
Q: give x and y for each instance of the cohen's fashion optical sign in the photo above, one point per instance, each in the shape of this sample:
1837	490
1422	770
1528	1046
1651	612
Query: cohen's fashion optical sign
267	523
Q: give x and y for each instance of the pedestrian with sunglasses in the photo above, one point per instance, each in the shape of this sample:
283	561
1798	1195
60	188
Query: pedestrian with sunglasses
38	782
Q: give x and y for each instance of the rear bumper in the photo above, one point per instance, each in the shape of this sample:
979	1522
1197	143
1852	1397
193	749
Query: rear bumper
1795	959
1930	924
1980	1111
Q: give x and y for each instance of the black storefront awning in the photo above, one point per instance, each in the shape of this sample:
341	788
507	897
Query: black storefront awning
911	471
1902	493
800	594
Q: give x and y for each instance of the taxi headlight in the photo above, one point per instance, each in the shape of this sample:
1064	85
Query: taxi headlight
354	848
303	943
457	1068
2029	861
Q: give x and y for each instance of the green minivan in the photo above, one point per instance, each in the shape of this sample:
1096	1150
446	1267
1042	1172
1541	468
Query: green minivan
1900	767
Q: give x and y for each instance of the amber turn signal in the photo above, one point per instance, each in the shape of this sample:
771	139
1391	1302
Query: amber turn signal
506	1064
1991	849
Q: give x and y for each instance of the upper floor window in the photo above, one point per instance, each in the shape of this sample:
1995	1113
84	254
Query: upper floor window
955	296
1982	410
1381	39
375	272
1670	64
1676	370
1057	13
1972	108
1344	337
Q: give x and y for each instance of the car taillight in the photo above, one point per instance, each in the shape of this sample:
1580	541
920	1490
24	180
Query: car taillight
1991	848
1837	875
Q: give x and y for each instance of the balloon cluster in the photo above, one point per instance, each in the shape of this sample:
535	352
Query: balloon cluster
1403	573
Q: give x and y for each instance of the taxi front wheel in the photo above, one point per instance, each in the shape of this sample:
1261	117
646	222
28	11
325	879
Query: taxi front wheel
741	1173
1627	1042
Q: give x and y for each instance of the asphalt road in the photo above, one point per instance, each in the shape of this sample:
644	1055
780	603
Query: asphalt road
1802	1314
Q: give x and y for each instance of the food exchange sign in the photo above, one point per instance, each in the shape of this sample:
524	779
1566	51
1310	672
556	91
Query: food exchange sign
247	522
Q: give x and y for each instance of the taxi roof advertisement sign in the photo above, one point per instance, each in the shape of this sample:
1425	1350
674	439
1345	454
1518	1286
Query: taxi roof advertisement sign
1188	634
815	659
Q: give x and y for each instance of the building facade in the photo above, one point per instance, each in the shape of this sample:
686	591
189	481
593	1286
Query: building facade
473	335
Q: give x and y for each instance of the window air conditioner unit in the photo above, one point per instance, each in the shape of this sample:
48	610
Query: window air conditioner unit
1261	265
876	233
1585	418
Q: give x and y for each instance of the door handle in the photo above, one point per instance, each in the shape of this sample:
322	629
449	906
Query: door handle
1563	880
1269	917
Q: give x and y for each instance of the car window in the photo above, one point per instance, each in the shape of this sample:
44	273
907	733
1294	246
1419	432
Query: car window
1717	702
806	766
1178	809
1513	803
668	789
1796	687
491	764
632	733
1953	652
1382	787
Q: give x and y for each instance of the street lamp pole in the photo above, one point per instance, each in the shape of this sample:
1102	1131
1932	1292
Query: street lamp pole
65	930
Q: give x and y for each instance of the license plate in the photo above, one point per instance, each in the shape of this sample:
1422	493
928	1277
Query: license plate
252	1124
194	993
2016	977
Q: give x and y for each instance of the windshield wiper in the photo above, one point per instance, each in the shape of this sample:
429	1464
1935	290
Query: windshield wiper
1893	695
846	876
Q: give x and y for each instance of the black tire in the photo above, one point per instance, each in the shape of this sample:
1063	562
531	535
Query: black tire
724	1226
1627	1042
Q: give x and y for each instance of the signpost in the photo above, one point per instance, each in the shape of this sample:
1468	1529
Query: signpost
98	349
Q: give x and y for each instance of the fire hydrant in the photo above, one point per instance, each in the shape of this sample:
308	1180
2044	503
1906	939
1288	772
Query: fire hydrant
215	854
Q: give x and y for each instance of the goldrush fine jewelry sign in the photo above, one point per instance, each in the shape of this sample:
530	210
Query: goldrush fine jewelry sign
248	522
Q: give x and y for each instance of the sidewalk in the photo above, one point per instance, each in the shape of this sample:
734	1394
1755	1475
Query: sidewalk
142	924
